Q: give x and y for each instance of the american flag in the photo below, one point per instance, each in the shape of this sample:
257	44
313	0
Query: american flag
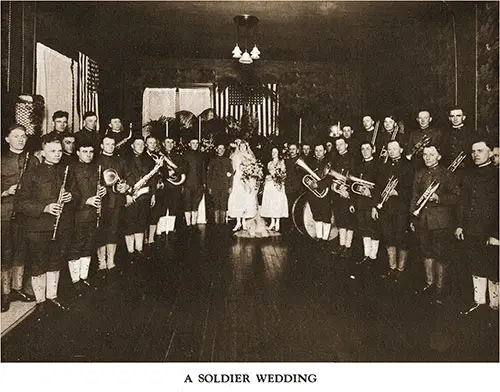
88	85
228	103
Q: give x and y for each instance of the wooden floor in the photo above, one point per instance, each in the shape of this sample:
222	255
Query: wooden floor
214	297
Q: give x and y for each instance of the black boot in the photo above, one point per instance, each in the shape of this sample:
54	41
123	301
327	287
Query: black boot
5	302
18	295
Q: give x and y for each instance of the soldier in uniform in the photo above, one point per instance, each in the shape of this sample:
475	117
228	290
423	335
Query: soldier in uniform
68	144
111	207
320	207
194	185
425	130
434	221
306	153
496	158
477	226
367	135
115	129
15	163
393	214
219	183
392	130
367	227
293	180
60	121
87	176
343	163
89	129
43	199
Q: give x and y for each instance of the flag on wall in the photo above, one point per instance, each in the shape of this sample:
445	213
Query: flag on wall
227	103
88	85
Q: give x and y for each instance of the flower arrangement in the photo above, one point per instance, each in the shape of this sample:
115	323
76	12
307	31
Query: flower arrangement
279	175
252	170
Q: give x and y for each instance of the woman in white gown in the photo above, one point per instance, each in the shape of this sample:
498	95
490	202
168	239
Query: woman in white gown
274	200
242	203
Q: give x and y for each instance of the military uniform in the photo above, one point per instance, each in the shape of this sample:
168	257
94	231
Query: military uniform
87	134
367	227
343	164
456	140
436	139
293	182
194	165
219	181
173	193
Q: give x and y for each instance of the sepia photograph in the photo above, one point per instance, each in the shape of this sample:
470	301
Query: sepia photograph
234	195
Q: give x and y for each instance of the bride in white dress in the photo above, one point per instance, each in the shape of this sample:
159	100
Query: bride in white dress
242	203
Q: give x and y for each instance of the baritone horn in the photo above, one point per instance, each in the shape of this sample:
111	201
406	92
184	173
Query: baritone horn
358	185
311	179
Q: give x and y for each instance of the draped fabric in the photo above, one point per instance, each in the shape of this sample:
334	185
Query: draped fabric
56	76
88	85
267	111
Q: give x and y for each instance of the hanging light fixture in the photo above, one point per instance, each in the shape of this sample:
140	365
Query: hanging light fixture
246	32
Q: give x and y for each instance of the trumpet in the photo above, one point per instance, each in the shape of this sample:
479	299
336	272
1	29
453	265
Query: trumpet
422	201
457	161
59	201
421	144
390	186
311	179
359	185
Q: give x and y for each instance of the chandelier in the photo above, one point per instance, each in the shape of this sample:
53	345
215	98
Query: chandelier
246	32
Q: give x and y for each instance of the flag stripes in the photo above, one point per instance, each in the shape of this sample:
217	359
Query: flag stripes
266	112
88	85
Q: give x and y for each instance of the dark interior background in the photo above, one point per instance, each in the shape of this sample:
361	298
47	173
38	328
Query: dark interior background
333	60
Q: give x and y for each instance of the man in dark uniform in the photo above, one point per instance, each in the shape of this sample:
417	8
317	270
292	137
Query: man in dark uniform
43	199
173	193
306	153
367	227
89	129
477	226
60	121
425	132
434	223
393	214
392	130
219	182
88	179
321	207
368	134
111	207
115	128
293	180
343	163
194	186
137	206
68	144
15	163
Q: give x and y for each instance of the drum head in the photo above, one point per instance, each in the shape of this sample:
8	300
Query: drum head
303	219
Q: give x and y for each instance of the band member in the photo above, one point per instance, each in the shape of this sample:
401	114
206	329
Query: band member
393	213
219	182
306	153
60	121
392	130
456	139
115	128
477	226
367	227
112	205
87	176
15	163
320	207
136	212
173	193
426	134
368	135
350	138
68	144
274	202
343	164
495	158
434	196
43	199
89	129
195	181
293	180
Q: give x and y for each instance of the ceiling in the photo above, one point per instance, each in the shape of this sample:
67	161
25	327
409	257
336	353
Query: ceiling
292	30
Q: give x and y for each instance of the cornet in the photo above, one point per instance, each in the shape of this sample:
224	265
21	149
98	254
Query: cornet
390	186
311	179
421	144
422	201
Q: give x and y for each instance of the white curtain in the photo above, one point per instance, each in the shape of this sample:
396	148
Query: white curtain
195	99
57	83
157	102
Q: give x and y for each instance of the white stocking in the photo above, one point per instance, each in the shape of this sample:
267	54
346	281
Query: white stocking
367	242
319	230
374	249
84	267
493	291
74	270
39	284
480	284
52	284
326	230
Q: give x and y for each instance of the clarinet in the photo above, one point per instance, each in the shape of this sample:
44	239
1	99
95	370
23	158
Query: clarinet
99	209
23	169
59	201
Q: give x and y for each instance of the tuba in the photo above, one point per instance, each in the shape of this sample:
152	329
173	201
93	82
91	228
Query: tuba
311	179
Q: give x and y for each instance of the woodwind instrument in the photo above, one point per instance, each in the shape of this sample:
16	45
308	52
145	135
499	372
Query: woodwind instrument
59	201
99	209
18	187
390	186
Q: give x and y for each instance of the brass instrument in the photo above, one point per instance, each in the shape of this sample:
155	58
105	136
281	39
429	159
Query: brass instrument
311	179
140	187
99	209
384	153
59	201
457	161
390	186
422	201
112	179
121	143
359	184
421	144
174	179
339	184
18	187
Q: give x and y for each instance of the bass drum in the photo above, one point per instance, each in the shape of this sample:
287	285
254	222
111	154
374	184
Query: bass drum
303	219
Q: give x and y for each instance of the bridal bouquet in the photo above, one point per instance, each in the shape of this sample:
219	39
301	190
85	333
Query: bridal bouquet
279	175
252	170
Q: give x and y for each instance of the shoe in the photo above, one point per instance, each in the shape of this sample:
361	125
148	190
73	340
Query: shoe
86	284
18	295
57	305
428	289
5	302
438	298
237	227
102	275
347	253
271	227
336	250
40	311
364	260
475	308
77	287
